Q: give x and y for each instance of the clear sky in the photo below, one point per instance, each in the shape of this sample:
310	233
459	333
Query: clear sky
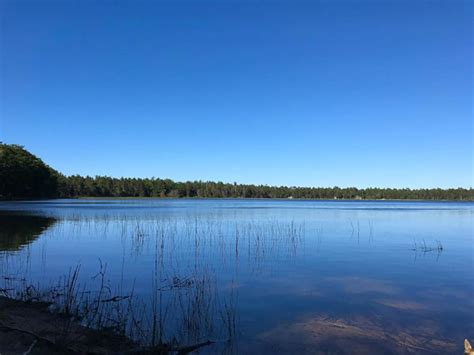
349	93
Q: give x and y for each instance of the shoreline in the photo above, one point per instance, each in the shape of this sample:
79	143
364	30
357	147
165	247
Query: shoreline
230	198
30	327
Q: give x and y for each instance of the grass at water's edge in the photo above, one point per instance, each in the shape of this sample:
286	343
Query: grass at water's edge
68	318
30	325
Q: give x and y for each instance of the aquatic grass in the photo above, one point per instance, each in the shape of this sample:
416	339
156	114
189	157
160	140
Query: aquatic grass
104	310
426	248
186	305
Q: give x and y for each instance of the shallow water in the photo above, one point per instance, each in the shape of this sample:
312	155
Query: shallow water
263	276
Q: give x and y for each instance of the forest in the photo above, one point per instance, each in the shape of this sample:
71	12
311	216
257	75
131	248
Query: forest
23	175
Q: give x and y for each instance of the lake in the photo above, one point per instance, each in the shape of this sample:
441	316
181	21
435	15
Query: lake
259	276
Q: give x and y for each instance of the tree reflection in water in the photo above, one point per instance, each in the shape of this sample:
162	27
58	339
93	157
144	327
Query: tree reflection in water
19	230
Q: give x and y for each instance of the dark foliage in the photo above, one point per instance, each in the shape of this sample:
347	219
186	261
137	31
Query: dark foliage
23	175
19	230
103	186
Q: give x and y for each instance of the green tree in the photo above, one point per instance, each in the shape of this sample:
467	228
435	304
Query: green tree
23	175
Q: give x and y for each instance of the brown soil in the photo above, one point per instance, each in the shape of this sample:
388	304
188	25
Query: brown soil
31	328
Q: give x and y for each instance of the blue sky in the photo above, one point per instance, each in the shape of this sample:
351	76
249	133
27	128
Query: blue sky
350	93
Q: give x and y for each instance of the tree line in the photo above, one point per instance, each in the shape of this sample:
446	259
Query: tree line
103	186
22	175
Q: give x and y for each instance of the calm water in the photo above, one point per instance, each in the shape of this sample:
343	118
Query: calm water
271	276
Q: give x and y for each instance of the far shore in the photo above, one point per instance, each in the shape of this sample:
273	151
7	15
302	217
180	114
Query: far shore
229	198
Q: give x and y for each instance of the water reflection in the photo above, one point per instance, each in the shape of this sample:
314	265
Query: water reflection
18	230
257	277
